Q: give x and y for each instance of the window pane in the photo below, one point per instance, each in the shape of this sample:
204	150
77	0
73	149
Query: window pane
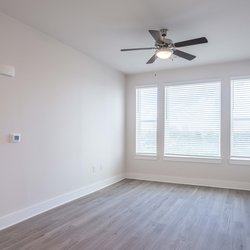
146	120
240	123
192	120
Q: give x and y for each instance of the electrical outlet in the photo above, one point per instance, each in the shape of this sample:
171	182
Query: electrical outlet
15	137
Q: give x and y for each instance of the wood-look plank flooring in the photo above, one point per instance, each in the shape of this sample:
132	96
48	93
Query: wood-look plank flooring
133	214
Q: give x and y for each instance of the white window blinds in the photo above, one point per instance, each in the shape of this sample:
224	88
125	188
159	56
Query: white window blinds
240	119
146	121
192	120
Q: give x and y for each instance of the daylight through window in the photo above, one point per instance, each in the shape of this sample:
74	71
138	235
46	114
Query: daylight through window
146	121
192	120
240	119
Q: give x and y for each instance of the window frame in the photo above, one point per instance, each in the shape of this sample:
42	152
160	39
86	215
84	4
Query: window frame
146	156
233	159
186	158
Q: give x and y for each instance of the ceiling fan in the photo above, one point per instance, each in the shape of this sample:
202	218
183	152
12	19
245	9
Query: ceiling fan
165	48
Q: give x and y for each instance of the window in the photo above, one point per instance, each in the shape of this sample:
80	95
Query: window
192	120
240	119
146	121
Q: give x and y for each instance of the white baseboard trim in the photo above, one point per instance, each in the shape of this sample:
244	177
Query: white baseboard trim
190	181
26	213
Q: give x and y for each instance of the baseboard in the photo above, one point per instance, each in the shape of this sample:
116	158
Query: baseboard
190	181
26	213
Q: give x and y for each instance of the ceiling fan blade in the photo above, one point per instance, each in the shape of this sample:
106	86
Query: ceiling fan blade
183	55
156	34
138	49
191	42
152	59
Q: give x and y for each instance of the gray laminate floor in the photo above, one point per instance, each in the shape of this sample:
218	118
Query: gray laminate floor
140	215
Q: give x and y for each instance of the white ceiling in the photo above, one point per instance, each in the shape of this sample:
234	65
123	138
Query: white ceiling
101	28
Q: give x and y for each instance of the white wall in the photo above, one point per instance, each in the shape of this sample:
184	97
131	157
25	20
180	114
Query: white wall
222	174
70	112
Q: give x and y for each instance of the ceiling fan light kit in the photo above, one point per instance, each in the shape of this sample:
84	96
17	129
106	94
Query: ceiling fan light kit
165	48
164	53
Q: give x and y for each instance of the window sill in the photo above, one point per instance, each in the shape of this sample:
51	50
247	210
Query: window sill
145	157
192	159
239	161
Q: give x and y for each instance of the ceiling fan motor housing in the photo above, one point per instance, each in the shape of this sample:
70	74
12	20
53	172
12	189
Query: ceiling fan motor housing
163	32
165	41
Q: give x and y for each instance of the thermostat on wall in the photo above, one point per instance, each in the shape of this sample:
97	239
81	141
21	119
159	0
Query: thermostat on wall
15	138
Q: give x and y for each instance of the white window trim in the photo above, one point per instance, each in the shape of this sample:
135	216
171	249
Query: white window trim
239	161
231	117
185	158
143	86
145	157
173	83
233	78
